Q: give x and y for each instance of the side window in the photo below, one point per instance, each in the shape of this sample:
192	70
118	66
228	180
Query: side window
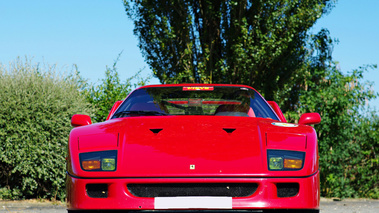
138	96
261	108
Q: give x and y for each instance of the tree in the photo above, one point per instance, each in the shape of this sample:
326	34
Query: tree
258	42
110	90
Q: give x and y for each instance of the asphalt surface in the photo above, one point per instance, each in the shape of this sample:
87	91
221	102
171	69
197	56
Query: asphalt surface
327	205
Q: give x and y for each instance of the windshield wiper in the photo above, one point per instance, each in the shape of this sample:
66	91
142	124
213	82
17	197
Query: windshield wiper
126	112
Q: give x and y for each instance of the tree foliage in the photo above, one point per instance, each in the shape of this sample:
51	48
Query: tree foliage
254	42
36	106
111	89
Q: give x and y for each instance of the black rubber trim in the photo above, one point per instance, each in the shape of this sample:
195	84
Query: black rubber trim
252	177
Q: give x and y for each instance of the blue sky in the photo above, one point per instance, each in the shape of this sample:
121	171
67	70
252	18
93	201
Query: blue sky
91	33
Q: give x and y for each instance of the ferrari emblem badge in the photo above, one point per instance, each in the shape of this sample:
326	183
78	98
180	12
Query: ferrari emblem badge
192	166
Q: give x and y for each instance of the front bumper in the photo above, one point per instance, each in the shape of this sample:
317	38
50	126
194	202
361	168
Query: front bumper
265	197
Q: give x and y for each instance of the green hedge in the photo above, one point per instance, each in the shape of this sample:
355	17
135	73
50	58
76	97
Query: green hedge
35	111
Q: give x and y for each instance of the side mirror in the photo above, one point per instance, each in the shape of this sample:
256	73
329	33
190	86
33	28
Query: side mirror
310	118
80	120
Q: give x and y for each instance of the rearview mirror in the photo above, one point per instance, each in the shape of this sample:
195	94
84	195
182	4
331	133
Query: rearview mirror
310	118
80	120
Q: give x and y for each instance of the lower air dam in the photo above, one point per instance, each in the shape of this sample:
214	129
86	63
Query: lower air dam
193	203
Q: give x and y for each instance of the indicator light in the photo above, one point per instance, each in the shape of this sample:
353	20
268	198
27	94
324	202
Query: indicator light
293	163
91	164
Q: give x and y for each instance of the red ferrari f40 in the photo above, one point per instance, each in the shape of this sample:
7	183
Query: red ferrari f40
193	147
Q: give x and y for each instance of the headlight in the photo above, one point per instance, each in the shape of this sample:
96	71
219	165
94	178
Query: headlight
98	161
281	160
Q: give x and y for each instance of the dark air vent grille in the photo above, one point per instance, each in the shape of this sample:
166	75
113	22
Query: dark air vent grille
193	189
228	130
287	189
97	190
156	131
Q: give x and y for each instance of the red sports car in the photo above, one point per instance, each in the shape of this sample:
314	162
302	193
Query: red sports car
193	147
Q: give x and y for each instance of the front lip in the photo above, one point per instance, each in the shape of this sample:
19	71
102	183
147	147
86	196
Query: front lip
264	197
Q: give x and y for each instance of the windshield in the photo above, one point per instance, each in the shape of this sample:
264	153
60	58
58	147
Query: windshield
195	100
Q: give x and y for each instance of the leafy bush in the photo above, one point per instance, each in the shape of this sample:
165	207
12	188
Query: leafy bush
35	111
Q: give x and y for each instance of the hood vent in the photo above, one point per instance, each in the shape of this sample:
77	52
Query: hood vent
156	131
228	130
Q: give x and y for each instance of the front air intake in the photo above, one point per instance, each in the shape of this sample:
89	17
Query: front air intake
97	190
287	189
193	189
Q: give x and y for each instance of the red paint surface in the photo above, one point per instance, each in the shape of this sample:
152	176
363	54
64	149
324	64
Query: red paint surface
286	141
98	141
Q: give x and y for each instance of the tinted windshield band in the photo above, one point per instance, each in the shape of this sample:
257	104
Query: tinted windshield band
217	101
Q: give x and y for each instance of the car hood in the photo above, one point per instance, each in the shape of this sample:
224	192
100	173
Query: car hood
191	146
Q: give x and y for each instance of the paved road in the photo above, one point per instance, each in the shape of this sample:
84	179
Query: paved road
327	205
350	206
32	206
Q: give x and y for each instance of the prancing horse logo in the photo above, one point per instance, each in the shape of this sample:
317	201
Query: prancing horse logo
192	166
